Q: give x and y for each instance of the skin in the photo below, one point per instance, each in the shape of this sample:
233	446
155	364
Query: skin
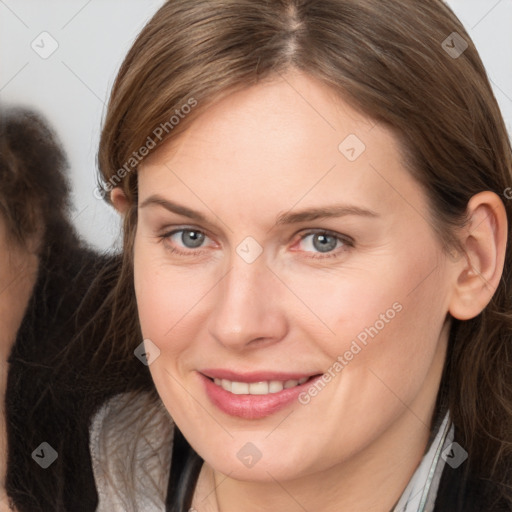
265	151
18	272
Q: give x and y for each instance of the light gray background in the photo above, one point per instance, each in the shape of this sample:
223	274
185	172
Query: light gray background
71	86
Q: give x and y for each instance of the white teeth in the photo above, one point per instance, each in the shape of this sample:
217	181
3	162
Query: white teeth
240	388
275	386
258	388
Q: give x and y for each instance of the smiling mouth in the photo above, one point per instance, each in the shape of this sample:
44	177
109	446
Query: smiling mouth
254	395
259	388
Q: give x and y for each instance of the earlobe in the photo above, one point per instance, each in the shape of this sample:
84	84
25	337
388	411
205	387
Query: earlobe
119	200
484	242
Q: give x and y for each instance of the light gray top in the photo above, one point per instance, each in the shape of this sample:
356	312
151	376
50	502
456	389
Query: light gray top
131	448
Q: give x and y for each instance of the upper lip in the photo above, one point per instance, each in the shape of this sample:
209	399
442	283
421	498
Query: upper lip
256	376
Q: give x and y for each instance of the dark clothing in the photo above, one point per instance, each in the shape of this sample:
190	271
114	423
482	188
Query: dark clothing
54	382
460	493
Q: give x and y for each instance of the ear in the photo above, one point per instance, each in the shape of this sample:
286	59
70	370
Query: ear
484	242
119	200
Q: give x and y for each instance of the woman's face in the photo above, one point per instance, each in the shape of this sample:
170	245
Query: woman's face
280	239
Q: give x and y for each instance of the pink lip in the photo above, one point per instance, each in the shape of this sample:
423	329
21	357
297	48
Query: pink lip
252	407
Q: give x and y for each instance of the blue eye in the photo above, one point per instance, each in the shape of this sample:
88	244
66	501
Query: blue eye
191	242
321	242
188	238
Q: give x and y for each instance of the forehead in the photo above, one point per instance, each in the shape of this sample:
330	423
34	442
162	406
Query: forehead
277	143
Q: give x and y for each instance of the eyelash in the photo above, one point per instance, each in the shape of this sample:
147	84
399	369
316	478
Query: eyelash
345	240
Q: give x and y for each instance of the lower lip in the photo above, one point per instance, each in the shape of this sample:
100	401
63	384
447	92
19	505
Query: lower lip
252	407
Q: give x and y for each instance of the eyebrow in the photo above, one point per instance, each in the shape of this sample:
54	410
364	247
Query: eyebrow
286	218
324	213
156	200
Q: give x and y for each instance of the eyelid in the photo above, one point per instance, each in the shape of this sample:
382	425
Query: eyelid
171	230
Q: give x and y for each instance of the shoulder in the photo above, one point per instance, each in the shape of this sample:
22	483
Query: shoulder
463	489
131	443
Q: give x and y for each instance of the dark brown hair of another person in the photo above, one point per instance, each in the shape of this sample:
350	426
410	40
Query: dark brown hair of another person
56	377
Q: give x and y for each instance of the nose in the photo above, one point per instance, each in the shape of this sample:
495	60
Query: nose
248	310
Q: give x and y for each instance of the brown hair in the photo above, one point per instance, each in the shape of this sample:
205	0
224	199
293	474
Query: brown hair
34	190
388	59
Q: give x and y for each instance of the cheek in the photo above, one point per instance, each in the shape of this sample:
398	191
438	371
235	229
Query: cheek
167	300
394	347
166	297
386	317
385	353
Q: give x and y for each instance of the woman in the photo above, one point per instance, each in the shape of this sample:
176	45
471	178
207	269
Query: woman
51	283
315	254
42	260
19	241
